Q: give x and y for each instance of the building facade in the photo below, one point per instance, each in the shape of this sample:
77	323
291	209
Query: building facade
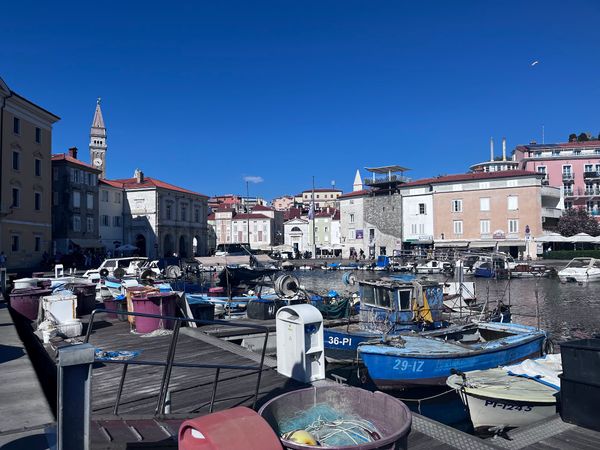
283	203
161	219
296	232
352	225
25	180
574	167
110	209
323	198
417	216
262	228
500	210
75	211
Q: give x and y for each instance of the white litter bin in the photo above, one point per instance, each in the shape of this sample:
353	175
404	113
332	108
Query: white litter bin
300	350
60	308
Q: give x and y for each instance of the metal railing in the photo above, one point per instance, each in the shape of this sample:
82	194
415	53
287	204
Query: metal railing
169	363
568	176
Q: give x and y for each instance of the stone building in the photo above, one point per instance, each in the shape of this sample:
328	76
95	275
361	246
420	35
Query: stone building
110	203
262	228
75	211
25	180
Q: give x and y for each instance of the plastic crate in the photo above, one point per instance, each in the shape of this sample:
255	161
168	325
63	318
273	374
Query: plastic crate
579	403
581	359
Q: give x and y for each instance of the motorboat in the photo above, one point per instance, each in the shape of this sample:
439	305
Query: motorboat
512	396
428	358
580	270
432	266
526	270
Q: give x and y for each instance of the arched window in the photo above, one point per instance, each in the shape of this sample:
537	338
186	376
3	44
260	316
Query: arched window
296	229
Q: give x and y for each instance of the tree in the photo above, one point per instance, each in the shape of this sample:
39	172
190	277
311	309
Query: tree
583	137
577	220
572	137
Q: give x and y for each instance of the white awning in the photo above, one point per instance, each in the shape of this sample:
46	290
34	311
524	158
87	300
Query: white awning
451	244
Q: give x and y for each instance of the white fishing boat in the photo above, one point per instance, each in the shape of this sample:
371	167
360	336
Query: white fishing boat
433	266
510	396
580	270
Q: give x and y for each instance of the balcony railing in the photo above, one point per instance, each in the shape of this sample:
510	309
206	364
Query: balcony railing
592	174
580	192
386	180
568	176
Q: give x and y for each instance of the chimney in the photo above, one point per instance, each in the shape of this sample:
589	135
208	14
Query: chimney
491	149
139	176
73	152
503	149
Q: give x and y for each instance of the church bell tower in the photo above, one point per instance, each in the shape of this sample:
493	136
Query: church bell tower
98	141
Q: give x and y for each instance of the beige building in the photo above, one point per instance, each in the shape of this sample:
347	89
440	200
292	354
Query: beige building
25	180
323	198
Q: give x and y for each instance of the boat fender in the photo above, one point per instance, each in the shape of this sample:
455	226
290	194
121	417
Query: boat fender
104	273
548	346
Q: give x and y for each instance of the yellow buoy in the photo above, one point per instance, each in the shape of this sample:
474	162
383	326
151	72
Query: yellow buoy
303	437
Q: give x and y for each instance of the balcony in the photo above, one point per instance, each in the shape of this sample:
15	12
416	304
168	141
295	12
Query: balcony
545	182
551	192
384	181
590	175
553	213
568	176
580	192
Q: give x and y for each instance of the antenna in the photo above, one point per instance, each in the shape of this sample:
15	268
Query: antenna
543	134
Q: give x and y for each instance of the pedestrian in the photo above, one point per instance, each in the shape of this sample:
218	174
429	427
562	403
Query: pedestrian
2	259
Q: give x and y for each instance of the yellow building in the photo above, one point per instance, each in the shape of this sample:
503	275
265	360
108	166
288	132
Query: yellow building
25	180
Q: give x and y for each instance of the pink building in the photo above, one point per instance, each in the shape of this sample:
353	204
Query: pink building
574	167
283	203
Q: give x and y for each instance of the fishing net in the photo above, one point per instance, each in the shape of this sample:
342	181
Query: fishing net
331	310
331	428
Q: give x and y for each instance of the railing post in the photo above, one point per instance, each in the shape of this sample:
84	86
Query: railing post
74	396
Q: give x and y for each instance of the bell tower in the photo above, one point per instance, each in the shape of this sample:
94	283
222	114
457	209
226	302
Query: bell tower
98	141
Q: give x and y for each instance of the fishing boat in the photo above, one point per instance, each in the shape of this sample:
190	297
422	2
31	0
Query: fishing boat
580	270
432	266
234	305
387	307
512	396
526	270
429	357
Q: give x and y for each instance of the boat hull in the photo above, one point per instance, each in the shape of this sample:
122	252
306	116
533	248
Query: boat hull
578	277
392	371
496	413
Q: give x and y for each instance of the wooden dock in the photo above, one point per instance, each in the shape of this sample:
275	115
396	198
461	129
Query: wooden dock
137	425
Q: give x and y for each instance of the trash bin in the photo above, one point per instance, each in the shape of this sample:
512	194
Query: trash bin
60	307
159	303
235	428
579	402
86	297
300	352
298	409
26	302
114	305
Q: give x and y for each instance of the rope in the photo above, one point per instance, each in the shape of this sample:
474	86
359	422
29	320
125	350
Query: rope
420	400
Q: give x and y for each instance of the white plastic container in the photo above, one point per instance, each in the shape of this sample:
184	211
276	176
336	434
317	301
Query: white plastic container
25	283
60	308
70	329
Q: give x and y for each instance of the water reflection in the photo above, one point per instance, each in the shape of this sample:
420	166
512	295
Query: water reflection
566	311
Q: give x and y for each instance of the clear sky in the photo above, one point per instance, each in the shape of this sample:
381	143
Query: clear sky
202	94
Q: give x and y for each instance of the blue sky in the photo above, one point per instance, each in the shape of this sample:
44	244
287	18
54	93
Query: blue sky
202	94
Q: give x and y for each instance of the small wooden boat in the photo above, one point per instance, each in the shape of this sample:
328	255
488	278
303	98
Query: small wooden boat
525	270
509	397
429	357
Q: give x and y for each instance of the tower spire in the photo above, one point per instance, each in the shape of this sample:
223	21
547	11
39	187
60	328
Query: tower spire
358	184
98	140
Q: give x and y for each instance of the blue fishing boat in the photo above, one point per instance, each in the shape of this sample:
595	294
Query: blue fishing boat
430	357
387	307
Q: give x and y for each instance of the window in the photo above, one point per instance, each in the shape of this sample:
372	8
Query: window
568	205
90	200
16	160
351	218
458	227
197	215
38	135
513	202
90	224
413	228
104	195
104	220
484	226
37	246
76	223
456	205
484	185
76	199
588	168
117	221
422	209
118	198
484	204
37	201
421	228
513	225
16	198
404	298
37	167
17	125
184	212
14	243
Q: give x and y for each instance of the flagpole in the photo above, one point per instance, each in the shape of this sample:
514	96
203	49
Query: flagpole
312	207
